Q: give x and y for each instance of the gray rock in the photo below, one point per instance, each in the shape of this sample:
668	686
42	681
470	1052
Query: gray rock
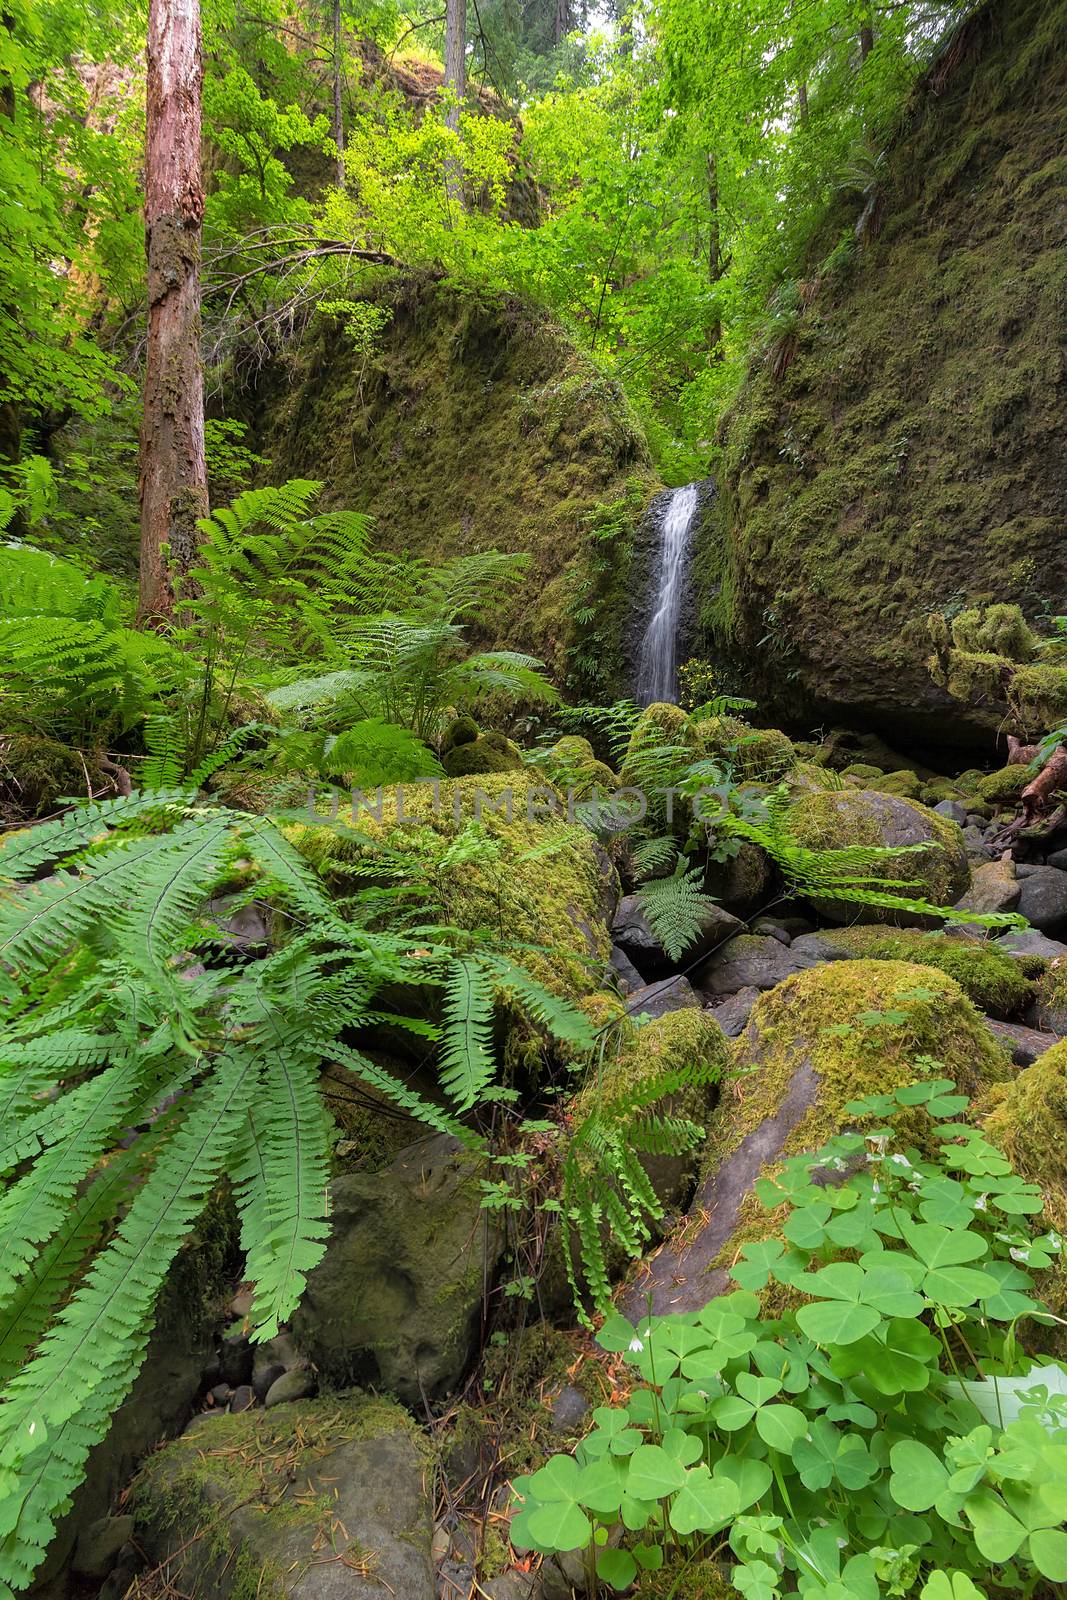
280	1351
631	932
1028	942
1025	1044
361	1459
822	946
99	1544
1058	859
264	1377
623	970
975	845
241	928
772	930
236	1361
953	811
394	1302
221	1394
1043	900
734	1012
299	1383
513	1586
242	1398
569	1409
656	999
994	887
751	962
1026	869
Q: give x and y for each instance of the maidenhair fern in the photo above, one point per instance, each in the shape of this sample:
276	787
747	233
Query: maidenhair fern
113	1027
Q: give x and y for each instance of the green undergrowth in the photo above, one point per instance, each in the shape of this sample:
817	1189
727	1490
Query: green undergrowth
994	980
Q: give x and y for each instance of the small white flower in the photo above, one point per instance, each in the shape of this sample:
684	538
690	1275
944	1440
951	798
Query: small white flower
878	1142
876	1187
982	1203
636	1345
1019	1255
900	1161
1054	1240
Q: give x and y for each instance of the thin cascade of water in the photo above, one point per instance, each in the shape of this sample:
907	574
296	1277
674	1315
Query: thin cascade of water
657	671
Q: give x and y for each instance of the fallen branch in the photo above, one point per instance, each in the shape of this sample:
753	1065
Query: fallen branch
1038	801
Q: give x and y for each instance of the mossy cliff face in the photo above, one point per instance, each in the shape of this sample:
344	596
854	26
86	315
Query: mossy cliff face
911	457
473	425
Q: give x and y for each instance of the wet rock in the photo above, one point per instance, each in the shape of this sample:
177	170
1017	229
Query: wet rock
734	1012
242	1399
1058	859
221	1394
1043	900
994	887
975	845
298	1383
99	1544
395	1300
768	928
242	929
656	999
742	883
1028	942
631	931
280	1351
236	1361
953	811
751	962
355	1484
1025	1044
625	973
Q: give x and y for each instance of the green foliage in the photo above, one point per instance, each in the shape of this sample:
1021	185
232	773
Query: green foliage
887	1436
73	668
676	907
112	1026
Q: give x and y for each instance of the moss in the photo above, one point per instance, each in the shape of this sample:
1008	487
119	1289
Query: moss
371	1130
1000	629
1027	1119
757	755
464	730
535	880
571	764
683	1578
36	773
1004	786
680	1041
476	423
904	783
1052	996
657	727
829	821
926	393
994	980
480	755
1038	695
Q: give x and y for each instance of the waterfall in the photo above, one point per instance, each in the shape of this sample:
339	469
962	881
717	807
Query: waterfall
657	667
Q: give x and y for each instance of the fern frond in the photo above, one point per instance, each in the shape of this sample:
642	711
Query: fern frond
385	1083
561	1019
23	853
466	1064
676	908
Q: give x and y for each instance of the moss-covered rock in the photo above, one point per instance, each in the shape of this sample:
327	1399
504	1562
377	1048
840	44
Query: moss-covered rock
394	1301
819	1040
315	1500
1027	1119
1004	786
994	980
35	773
1050	1007
997	629
684	1040
757	755
537	878
919	398
660	727
476	756
835	821
475	424
463	730
571	763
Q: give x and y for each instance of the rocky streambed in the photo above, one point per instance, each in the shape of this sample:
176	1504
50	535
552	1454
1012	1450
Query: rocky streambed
369	1449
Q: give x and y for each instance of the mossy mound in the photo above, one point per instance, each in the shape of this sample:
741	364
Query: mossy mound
757	755
1051	1003
464	730
836	821
1005	786
474	424
660	727
681	1578
992	979
36	773
1027	1119
571	763
484	754
920	399
531	876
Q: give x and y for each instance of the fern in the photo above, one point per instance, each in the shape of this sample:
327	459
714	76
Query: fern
466	1059
676	908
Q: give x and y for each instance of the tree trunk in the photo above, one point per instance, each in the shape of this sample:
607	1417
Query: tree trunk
455	57
338	112
714	243
561	22
173	474
802	101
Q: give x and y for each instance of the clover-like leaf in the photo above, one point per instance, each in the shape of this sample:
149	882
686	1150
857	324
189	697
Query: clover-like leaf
552	1517
780	1426
702	1502
616	1567
918	1478
950	1586
898	1358
653	1473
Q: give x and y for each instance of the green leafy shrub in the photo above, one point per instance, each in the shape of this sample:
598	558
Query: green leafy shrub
885	1435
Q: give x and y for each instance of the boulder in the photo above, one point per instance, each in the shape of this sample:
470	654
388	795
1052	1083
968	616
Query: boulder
656	999
751	962
988	976
994	887
811	1046
1026	944
623	970
1026	1044
836	819
953	810
322	1500
99	1544
1058	859
632	933
1043	900
296	1384
741	883
396	1298
735	1011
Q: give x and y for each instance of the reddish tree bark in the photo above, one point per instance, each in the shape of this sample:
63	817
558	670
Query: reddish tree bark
173	480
